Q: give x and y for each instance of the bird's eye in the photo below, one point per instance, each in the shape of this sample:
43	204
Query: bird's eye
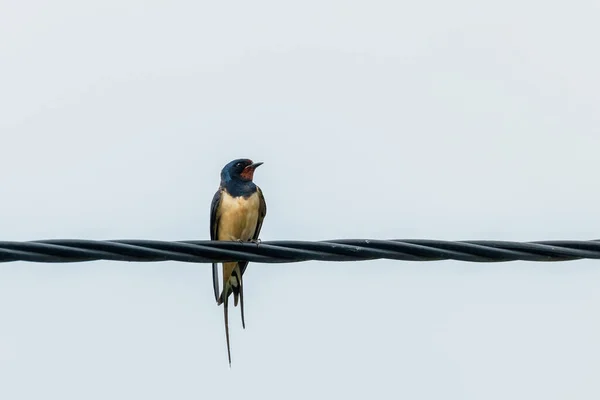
238	164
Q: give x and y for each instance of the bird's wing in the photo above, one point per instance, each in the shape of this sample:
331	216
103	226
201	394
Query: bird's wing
214	234
262	211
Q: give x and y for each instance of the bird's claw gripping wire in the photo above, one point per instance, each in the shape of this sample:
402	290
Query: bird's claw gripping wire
255	241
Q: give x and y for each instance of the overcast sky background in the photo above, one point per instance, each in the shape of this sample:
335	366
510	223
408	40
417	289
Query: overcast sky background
375	119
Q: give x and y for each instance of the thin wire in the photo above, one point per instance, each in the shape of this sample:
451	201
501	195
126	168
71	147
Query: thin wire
206	251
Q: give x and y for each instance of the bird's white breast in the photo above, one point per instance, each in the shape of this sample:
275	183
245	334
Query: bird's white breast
238	217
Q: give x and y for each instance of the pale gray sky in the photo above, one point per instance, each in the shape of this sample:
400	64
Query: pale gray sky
379	119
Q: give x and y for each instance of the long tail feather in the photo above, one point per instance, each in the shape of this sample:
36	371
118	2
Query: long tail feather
226	316
215	277
242	302
232	286
238	292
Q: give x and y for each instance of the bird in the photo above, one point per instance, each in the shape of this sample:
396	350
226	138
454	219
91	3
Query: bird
237	212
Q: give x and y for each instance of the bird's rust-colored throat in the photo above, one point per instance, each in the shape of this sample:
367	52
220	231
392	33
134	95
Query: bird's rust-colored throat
248	172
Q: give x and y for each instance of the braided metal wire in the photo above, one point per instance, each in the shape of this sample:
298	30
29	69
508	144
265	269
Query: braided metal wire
206	251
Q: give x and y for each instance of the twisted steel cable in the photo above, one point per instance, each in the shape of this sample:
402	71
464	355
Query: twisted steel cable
206	251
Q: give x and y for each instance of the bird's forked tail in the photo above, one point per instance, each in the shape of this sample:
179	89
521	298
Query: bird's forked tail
232	285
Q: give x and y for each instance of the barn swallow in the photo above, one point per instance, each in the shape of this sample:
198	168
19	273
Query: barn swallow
236	214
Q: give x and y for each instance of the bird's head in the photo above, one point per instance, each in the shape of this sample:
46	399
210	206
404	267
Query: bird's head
241	169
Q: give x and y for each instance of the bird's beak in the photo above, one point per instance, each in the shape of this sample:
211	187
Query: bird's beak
255	165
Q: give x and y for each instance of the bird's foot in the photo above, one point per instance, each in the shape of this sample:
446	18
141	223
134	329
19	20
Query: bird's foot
257	241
